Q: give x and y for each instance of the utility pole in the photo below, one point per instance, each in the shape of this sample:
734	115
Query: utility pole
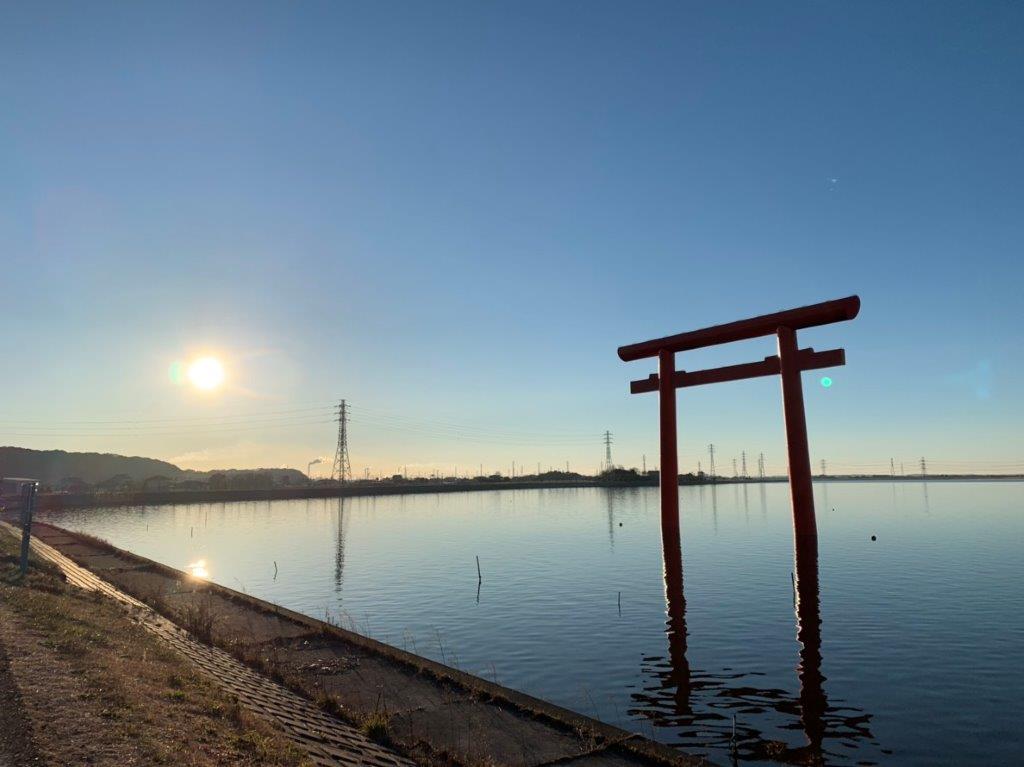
744	454
711	450
607	450
342	470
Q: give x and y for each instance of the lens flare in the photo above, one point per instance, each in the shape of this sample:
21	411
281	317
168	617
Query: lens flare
177	373
206	373
826	382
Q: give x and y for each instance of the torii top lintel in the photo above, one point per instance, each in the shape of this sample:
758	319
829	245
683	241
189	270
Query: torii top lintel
825	313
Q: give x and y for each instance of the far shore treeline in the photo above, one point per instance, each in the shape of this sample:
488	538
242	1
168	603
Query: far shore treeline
89	479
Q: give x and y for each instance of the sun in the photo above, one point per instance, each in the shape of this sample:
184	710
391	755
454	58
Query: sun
206	373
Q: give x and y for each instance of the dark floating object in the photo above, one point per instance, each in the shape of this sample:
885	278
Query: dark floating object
873	538
620	524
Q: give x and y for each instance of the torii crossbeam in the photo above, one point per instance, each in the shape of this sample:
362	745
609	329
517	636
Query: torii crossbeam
789	363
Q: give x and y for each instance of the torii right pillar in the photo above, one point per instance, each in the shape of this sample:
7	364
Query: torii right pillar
800	488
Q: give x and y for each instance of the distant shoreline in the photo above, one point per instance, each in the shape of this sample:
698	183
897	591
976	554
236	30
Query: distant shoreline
57	501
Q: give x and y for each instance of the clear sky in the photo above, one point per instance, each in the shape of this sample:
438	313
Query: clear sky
453	213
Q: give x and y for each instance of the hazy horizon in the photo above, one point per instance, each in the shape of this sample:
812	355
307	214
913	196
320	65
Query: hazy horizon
452	215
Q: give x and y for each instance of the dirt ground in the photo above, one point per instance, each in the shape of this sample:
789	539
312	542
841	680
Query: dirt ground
81	683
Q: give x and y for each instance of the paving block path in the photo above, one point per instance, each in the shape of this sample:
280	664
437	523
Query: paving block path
328	741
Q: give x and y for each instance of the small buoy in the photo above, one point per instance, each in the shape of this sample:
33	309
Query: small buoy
872	537
620	524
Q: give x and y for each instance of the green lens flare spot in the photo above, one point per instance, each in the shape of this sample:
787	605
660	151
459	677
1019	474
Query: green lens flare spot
177	373
826	381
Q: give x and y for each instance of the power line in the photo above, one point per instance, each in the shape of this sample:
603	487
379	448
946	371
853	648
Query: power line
113	422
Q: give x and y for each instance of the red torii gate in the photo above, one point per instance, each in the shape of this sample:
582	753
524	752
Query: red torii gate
789	363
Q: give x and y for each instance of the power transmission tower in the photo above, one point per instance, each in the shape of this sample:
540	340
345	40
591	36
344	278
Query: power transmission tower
760	465
924	468
711	450
823	467
892	467
744	454
607	450
342	470
734	475
698	468
645	462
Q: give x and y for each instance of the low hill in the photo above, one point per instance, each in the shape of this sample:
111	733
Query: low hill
51	466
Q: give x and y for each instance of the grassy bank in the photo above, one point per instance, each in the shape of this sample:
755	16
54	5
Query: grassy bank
83	684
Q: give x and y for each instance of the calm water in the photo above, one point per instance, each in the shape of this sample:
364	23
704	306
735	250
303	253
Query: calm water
915	657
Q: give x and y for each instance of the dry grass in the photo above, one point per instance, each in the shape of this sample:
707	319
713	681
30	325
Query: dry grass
96	688
375	726
199	617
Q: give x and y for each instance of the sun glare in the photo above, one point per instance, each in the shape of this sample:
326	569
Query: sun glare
198	569
206	373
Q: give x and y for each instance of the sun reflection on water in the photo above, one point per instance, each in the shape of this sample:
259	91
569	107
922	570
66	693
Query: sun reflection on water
198	569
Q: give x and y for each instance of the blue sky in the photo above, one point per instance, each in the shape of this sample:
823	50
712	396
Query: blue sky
452	214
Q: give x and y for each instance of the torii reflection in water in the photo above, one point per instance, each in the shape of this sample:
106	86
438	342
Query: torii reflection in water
671	701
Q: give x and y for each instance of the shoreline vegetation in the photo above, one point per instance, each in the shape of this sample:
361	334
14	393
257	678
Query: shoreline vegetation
619	478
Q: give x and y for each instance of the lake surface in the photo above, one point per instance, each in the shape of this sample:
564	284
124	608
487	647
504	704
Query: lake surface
904	650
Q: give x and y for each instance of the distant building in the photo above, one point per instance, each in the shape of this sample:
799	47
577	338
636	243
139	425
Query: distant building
190	484
117	483
11	491
157	483
73	485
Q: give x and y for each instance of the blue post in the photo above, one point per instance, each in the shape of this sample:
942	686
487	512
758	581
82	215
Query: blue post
28	502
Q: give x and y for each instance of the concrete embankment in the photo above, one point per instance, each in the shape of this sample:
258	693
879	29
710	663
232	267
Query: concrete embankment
426	711
83	680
